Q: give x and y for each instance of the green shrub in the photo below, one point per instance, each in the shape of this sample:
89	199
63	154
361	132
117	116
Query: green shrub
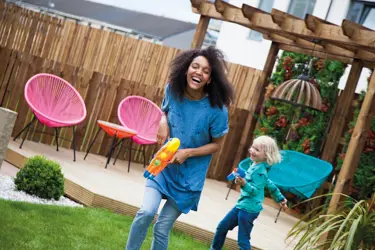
41	177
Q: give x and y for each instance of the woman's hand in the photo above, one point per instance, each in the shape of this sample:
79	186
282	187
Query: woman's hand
240	181
163	131
180	156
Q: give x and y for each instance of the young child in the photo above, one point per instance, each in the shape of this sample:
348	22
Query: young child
264	153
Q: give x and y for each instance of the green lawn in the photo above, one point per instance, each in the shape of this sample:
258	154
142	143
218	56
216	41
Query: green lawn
29	226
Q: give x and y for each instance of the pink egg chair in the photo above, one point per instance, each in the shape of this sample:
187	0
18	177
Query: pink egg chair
55	103
142	115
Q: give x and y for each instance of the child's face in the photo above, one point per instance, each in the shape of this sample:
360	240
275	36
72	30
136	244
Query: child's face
199	73
257	152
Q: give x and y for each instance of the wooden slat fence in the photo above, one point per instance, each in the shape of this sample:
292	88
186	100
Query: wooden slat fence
104	67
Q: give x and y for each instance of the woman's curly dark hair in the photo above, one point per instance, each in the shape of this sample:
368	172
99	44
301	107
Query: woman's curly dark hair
220	91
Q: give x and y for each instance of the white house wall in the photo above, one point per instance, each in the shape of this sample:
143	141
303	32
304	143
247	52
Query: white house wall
233	38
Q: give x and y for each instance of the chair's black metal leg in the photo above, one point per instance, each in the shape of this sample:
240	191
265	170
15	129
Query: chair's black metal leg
57	138
118	152
92	143
26	127
116	145
27	131
111	150
231	186
144	156
277	216
311	208
74	144
130	154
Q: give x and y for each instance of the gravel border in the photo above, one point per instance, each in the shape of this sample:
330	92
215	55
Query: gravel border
8	192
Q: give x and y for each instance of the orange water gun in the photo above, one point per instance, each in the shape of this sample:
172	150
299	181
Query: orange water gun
162	158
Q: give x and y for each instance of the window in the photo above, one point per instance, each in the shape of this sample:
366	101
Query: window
210	38
362	13
300	8
265	5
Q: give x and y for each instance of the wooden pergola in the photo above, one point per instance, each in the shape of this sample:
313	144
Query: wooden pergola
349	43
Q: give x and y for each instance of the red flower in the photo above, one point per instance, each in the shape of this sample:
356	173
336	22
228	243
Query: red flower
282	122
306	146
271	111
306	143
342	156
319	64
287	60
303	121
371	134
368	149
288	65
325	107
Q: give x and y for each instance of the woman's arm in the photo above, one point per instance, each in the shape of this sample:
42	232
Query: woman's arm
207	149
163	131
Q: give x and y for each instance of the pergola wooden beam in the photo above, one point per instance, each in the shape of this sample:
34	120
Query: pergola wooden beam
271	26
278	17
316	53
327	32
312	22
330	33
351	28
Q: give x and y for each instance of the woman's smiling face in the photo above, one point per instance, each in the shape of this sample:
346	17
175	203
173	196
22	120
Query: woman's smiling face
199	73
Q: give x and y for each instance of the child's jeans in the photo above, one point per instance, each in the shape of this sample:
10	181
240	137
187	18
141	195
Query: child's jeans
235	217
144	217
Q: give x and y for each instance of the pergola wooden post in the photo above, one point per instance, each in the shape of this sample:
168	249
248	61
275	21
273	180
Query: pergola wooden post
200	32
340	118
257	102
341	114
349	43
356	144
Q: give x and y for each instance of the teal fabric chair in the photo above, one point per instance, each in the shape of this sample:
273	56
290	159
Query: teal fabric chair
297	173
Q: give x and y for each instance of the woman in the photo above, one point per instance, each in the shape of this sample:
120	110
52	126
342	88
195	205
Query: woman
195	111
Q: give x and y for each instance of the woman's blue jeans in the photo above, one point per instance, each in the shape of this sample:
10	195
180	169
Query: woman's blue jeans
235	217
144	217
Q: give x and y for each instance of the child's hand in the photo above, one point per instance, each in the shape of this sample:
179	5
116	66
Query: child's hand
283	204
240	181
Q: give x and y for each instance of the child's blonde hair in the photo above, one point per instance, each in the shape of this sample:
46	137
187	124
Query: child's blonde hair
271	150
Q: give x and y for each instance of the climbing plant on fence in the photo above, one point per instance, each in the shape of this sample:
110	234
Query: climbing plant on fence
302	131
307	128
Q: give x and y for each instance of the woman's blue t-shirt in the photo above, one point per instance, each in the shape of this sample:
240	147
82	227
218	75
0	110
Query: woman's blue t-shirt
195	123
